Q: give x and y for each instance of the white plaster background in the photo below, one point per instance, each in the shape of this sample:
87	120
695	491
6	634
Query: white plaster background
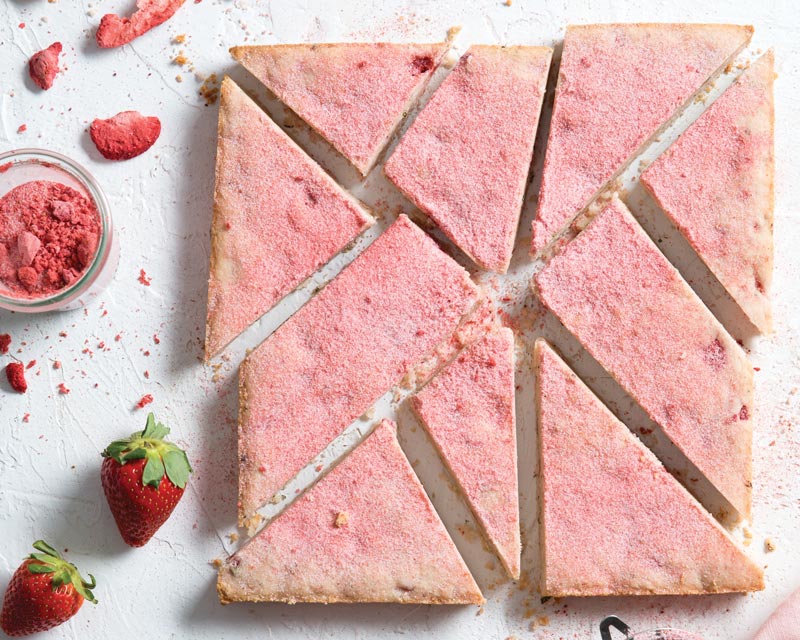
49	467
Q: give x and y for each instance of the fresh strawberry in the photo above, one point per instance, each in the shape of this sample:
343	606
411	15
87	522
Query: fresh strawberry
144	477
44	592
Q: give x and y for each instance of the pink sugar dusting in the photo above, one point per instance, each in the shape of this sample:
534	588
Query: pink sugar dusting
468	409
49	234
366	532
716	184
618	85
338	354
614	521
355	94
631	309
465	159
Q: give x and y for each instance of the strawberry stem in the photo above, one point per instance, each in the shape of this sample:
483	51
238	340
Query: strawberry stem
50	561
163	457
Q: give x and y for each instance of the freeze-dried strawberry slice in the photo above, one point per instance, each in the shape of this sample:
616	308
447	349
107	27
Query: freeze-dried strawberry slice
115	31
125	135
15	372
43	65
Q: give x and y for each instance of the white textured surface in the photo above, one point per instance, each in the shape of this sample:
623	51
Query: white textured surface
49	467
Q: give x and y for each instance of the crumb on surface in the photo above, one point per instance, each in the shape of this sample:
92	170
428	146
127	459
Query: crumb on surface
209	90
342	518
769	545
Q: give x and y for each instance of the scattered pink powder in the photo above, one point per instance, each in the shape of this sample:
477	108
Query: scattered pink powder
31	364
26	417
143	278
22	128
57	364
62	388
145	400
48	237
156	339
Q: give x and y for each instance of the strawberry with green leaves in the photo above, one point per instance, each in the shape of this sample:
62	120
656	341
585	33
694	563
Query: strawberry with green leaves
143	477
44	592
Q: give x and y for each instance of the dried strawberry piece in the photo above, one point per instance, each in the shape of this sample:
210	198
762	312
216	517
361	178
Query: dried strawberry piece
5	342
15	372
43	65
126	135
115	31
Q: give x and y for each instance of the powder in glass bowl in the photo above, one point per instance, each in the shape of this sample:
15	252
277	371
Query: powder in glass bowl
49	234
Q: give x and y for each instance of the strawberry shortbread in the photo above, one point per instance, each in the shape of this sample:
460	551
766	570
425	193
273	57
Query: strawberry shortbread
328	363
468	410
465	159
632	310
365	533
619	85
614	521
716	184
355	95
278	217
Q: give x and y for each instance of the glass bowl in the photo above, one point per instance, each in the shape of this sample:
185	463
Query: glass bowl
23	165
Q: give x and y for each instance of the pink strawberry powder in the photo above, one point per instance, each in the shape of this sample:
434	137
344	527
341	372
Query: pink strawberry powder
49	234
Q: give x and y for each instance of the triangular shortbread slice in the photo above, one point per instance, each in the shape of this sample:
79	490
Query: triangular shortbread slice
355	95
367	532
278	217
716	184
619	86
465	159
631	309
468	410
613	520
330	362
